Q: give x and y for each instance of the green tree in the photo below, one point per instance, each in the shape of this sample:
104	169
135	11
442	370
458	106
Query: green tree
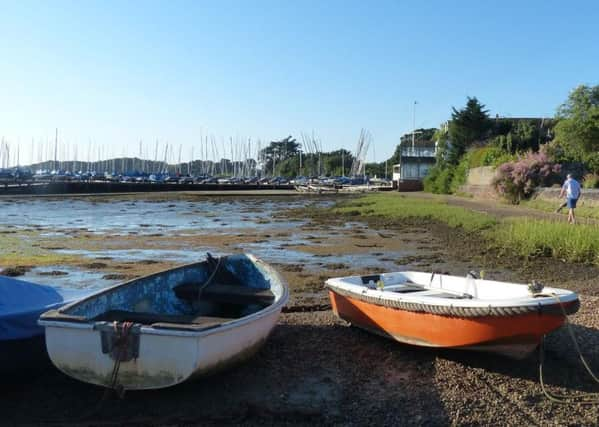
277	152
577	129
467	125
334	163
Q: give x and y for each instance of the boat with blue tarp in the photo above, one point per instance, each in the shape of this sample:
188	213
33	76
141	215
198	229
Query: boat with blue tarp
21	303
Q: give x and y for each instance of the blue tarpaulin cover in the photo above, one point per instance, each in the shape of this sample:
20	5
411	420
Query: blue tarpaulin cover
21	304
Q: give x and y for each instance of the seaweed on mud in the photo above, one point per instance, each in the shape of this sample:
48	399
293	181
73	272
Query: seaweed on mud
15	271
292	267
95	265
53	273
336	266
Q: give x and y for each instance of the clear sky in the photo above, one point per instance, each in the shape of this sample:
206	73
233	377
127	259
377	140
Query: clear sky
109	74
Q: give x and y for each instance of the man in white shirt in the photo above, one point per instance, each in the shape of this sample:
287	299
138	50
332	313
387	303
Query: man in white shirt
571	189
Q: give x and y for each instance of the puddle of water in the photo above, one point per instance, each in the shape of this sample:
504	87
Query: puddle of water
74	278
54	234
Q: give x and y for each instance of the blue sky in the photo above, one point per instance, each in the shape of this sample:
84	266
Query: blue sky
111	74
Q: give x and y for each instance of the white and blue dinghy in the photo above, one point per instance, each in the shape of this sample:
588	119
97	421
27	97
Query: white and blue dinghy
165	328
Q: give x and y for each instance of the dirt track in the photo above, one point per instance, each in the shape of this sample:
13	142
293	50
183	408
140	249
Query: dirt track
316	369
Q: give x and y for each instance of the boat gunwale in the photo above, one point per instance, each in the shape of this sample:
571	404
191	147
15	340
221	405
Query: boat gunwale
340	284
57	318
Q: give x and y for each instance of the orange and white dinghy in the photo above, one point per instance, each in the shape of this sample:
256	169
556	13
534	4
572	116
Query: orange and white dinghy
436	310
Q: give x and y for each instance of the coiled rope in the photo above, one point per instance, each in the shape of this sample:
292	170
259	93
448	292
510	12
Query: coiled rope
580	398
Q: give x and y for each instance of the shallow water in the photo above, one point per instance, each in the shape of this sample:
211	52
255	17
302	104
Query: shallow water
74	277
57	219
121	217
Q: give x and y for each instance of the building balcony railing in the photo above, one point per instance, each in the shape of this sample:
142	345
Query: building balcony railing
418	152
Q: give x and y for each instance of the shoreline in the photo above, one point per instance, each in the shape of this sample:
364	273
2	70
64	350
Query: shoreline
317	369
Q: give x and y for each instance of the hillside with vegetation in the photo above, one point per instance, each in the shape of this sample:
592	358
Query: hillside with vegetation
525	152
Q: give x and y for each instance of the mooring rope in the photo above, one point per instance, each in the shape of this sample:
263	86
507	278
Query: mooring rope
581	398
209	280
121	343
112	386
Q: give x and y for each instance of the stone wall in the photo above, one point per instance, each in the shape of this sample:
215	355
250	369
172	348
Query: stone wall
478	183
481	176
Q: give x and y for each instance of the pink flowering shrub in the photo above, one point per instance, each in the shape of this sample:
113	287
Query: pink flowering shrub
518	179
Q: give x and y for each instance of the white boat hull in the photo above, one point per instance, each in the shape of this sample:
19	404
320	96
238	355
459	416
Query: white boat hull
165	359
166	335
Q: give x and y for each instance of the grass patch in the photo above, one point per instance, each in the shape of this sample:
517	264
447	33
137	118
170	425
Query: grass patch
397	206
18	251
523	236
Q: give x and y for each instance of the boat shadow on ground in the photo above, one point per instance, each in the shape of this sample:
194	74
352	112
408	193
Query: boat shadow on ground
562	366
305	373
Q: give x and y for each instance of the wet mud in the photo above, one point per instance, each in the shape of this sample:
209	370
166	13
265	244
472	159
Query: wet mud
315	368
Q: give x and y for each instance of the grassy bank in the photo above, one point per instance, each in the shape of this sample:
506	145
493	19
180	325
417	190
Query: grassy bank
396	206
582	211
523	236
561	240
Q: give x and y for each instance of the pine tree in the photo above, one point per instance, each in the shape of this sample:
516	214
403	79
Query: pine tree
467	125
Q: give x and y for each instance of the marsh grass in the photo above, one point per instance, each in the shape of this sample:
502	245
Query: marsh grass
582	211
17	250
561	240
523	236
396	206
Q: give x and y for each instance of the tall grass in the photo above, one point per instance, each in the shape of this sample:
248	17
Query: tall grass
522	236
579	243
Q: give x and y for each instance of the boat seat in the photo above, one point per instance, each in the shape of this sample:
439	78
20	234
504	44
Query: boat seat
404	289
223	293
159	319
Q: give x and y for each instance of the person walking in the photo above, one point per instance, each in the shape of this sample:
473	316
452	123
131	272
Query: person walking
570	189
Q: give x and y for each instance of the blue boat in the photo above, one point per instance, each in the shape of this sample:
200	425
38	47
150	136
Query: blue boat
21	338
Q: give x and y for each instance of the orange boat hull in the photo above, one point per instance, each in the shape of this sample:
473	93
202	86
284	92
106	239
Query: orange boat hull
514	336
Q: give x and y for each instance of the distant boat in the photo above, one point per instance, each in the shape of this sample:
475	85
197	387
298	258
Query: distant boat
315	188
7	176
168	327
21	303
435	310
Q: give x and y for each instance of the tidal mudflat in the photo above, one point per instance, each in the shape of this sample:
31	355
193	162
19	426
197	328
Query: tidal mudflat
314	368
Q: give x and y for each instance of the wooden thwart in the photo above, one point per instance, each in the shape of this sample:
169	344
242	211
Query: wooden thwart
159	318
222	293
